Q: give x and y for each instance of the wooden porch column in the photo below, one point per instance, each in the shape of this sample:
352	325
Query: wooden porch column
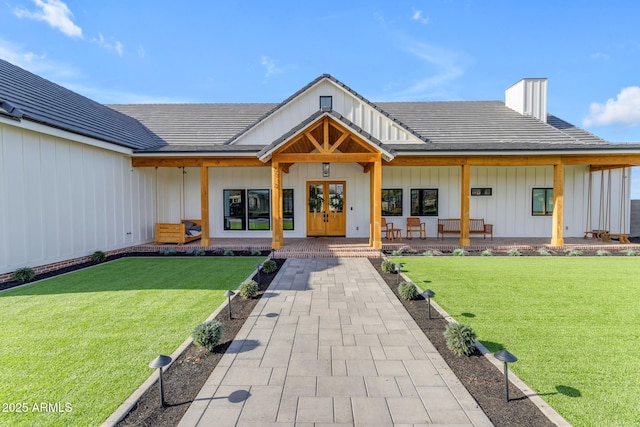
375	237
277	235
465	194
204	205
558	205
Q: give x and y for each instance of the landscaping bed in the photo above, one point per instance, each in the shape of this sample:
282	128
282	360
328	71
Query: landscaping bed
478	375
188	373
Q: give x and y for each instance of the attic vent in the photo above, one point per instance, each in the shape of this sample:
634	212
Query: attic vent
326	103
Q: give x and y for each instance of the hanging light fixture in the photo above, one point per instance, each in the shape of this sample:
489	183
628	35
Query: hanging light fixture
326	171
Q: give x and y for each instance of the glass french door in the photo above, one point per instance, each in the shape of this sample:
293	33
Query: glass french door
326	214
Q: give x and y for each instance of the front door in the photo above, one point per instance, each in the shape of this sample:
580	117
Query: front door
325	208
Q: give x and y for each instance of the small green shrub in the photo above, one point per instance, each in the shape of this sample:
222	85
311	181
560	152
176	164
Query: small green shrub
602	252
256	252
228	252
407	290
487	252
207	334
574	252
24	274
428	253
514	252
388	266
98	257
249	289
199	252
458	252
632	252
544	252
269	266
169	252
397	252
460	339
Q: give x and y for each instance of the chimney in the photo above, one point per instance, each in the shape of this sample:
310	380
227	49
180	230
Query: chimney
528	97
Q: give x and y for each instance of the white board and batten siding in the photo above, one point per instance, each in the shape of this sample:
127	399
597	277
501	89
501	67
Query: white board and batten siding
300	109
67	199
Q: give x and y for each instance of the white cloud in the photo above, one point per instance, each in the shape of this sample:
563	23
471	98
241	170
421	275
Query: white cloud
37	63
624	110
419	17
111	44
55	13
270	67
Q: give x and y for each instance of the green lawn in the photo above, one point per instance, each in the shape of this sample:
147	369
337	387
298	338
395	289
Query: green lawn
573	323
81	343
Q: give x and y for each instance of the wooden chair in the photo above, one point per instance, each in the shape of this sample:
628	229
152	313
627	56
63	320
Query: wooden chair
390	231
415	226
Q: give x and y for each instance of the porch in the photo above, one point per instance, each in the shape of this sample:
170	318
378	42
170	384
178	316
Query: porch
330	247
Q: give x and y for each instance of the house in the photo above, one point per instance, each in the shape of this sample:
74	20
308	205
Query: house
77	176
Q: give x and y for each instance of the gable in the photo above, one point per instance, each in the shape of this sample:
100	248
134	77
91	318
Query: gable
346	103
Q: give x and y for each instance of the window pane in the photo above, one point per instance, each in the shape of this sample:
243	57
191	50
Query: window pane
234	210
542	201
287	209
336	197
259	209
424	202
392	202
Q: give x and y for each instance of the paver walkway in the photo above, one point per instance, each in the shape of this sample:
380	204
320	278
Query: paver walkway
330	344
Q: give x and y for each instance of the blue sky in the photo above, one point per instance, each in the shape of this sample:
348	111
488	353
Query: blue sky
263	51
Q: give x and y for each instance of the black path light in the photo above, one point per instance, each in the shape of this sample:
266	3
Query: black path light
229	294
429	293
398	267
259	267
160	362
506	357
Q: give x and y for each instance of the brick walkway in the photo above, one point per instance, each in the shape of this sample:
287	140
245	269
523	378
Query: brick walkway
330	344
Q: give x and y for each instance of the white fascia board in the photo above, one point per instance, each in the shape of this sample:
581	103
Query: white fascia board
516	152
194	154
63	134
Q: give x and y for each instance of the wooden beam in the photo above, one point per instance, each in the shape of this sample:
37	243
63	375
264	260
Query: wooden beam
195	161
204	205
340	140
314	141
513	160
465	195
376	203
558	205
277	235
593	168
323	157
326	135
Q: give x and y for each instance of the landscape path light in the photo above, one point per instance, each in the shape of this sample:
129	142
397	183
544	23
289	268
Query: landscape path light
398	267
506	357
429	293
259	267
160	362
229	294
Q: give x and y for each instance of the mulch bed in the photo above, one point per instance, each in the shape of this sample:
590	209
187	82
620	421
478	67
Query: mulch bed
483	380
188	373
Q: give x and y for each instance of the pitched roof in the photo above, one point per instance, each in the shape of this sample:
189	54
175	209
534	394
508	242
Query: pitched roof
26	96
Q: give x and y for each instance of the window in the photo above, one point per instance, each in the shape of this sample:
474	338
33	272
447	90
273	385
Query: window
481	191
259	209
234	210
542	202
424	202
287	209
392	202
326	102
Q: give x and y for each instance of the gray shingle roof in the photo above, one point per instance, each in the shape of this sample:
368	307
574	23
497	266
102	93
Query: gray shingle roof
26	96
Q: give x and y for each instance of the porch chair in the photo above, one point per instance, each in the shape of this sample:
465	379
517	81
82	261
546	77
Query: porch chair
391	233
415	226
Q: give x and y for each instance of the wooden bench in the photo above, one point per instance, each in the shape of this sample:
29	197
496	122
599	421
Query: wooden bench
452	226
176	233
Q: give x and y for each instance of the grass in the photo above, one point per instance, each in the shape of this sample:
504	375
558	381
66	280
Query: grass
81	343
573	323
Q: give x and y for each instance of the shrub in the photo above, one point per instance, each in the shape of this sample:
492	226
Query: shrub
256	252
574	252
632	252
397	252
459	252
199	252
428	253
269	266
249	289
544	252
388	266
98	257
207	334
460	339
24	274
602	252
169	252
487	252
228	252
407	290
514	252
